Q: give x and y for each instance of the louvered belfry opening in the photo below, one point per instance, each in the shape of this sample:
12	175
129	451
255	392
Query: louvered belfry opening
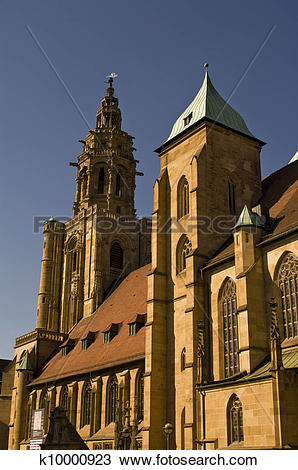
116	256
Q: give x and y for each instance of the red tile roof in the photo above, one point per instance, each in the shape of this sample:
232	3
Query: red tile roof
280	191
128	300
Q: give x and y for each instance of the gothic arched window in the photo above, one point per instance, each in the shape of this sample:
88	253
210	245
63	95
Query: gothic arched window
84	184
64	399
112	397
230	329
118	185
182	198
288	284
184	248
72	251
44	404
116	256
140	396
235	420
183	352
101	181
86	404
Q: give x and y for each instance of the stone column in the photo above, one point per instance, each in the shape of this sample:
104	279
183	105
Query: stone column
20	408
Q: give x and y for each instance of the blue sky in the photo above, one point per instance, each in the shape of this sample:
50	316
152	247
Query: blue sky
157	48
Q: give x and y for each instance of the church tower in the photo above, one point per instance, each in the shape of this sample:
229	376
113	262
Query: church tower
86	257
106	169
209	169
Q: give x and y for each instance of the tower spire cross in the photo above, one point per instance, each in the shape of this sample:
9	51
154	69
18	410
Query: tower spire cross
111	77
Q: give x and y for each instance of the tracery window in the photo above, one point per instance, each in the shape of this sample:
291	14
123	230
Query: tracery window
112	397
86	404
116	256
182	198
140	396
235	420
184	248
288	284
44	404
230	329
64	399
72	250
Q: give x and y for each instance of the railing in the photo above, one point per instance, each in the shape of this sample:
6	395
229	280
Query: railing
40	334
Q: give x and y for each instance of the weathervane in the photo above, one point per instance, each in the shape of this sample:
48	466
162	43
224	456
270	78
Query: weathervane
111	77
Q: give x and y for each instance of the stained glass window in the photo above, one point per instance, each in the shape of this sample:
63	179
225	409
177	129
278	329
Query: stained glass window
230	330
288	283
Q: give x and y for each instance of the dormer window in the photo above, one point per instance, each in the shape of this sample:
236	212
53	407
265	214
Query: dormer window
65	350
87	340
110	332
133	329
67	346
187	119
108	336
136	324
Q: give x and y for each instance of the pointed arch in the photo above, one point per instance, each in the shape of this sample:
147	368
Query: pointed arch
182	197
234	420
64	400
286	276
72	253
83	182
228	310
44	404
184	248
112	398
182	359
86	404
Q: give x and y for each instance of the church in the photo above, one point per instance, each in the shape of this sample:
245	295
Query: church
178	332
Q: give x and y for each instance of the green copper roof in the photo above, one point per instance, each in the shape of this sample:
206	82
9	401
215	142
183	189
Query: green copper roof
249	218
209	104
26	363
294	158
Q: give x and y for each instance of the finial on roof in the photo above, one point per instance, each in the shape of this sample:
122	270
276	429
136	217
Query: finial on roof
248	218
206	65
110	78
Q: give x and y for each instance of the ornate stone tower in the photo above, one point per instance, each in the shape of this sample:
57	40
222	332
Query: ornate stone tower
107	168
85	258
99	246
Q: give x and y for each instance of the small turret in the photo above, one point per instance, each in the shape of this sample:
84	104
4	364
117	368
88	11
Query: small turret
246	230
50	277
109	115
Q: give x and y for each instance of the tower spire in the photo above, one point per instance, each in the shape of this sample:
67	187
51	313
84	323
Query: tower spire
106	169
109	114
